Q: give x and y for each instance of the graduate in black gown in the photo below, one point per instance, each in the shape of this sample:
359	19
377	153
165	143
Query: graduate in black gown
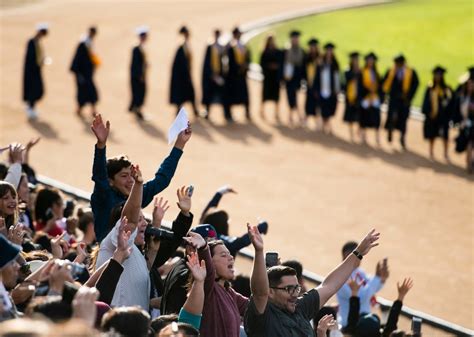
400	83
213	74
138	70
327	86
182	88
33	88
83	66
271	62
438	110
293	74
352	88
236	79
371	98
312	61
464	118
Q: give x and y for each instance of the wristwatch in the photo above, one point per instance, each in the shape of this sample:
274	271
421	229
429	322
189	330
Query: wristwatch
357	254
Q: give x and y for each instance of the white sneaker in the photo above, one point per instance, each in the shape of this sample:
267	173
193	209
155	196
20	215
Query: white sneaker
31	113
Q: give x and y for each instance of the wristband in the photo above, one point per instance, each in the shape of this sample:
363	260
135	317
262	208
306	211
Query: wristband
357	254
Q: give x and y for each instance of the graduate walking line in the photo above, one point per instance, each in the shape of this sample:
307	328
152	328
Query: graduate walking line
318	74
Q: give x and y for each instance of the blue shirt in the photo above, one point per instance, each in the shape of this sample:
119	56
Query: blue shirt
105	198
371	286
187	317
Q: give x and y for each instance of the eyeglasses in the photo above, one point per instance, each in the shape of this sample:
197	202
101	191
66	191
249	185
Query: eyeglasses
291	289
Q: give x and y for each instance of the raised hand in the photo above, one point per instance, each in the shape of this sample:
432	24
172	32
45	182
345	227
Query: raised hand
226	189
198	270
404	288
368	242
183	137
81	254
57	244
16	234
255	237
382	270
325	323
123	250
136	174
354	285
32	143
184	200
83	305
195	240
16	153
159	210
59	273
100	130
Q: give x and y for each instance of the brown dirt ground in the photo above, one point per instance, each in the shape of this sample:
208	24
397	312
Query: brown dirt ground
316	191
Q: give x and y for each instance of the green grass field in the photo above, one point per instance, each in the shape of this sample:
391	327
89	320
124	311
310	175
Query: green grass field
427	32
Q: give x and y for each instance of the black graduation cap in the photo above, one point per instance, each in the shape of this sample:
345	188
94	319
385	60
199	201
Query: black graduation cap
399	58
354	54
295	33
236	31
183	30
471	72
371	55
439	70
329	45
313	42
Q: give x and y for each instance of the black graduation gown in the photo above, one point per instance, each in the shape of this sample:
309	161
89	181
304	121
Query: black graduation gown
138	78
83	67
181	88
33	88
212	92
370	116
399	105
271	63
352	109
328	105
437	126
236	79
311	101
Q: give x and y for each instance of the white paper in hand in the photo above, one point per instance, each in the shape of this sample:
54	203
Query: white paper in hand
179	124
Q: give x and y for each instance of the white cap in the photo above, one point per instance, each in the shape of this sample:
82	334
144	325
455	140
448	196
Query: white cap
142	30
42	26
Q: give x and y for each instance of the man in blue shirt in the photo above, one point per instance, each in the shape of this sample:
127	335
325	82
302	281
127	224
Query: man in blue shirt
113	179
369	286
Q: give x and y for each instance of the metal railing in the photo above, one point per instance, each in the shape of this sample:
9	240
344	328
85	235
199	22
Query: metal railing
385	304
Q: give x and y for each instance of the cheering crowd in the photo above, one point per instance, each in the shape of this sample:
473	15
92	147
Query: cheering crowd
67	269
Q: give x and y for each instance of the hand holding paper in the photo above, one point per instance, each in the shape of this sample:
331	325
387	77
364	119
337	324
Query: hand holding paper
180	123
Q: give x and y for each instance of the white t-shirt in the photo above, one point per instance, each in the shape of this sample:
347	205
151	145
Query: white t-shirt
133	287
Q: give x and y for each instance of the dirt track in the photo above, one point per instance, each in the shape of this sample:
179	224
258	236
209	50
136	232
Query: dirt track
316	191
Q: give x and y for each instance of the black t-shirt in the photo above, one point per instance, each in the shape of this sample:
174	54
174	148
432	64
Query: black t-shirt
276	322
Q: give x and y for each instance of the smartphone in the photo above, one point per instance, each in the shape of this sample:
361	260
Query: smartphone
190	190
271	259
416	326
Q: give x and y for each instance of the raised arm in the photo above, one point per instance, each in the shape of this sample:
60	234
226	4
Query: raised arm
341	274
204	253
214	202
259	279
181	226
195	301
396	308
132	206
99	168
167	169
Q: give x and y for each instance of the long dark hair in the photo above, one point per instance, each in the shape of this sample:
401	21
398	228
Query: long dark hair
6	187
